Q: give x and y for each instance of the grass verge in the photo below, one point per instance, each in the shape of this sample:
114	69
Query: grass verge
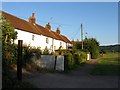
107	65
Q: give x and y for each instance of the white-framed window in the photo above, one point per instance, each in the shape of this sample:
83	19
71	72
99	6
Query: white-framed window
60	43
33	37
54	47
47	40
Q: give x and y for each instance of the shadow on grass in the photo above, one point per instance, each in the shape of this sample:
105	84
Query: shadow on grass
107	66
106	69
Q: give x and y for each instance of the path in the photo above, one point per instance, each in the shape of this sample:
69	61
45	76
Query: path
79	78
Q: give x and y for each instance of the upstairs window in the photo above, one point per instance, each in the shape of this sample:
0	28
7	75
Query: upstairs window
47	40
33	37
60	43
54	47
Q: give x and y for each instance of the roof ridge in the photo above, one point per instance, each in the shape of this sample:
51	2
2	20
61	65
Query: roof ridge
13	16
37	29
24	25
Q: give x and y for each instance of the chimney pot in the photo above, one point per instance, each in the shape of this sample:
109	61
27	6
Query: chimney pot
48	26
58	30
32	18
33	14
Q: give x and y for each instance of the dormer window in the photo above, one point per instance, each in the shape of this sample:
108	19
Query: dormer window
33	37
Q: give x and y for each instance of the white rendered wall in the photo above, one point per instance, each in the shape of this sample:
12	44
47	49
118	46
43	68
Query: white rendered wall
39	40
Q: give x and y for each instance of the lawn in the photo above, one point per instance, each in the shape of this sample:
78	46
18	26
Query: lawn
107	65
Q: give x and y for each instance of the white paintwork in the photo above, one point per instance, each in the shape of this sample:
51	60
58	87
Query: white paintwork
60	63
39	41
48	61
88	56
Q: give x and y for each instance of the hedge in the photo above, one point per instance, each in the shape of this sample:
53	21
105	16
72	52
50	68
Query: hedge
72	60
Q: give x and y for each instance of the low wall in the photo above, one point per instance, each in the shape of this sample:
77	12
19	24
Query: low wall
60	63
48	61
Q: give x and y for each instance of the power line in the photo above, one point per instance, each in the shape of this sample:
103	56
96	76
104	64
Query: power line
38	20
76	33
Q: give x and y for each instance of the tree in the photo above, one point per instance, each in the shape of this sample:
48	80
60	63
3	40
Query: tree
89	45
8	32
92	45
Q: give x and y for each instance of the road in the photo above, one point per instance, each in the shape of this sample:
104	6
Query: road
79	78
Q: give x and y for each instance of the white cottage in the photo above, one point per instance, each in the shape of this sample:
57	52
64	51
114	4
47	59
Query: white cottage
36	35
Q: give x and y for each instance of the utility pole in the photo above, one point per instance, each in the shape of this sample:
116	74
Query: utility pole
82	36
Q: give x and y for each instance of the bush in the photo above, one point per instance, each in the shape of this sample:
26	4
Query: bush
76	58
94	53
46	51
69	61
28	53
66	51
80	57
83	57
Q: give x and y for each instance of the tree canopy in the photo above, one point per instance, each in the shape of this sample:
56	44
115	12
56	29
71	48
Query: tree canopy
7	30
89	44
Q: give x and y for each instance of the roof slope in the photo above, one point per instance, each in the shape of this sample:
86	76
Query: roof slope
33	28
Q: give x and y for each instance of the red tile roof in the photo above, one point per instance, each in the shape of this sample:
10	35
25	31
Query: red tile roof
33	28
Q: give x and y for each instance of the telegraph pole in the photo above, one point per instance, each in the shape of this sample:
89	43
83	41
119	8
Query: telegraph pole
82	36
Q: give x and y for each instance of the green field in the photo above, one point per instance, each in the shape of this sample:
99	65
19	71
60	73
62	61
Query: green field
107	65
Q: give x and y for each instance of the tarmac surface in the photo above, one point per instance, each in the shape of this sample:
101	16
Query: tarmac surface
79	78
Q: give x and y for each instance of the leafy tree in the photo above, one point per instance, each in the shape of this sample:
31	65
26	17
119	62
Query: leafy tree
92	45
8	49
8	32
89	44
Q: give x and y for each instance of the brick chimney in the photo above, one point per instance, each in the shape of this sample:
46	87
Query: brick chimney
58	30
48	27
32	19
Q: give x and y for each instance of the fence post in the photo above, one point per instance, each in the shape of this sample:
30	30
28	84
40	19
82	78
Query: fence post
55	62
19	61
65	62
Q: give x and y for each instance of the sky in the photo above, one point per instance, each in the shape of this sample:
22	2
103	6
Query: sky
99	19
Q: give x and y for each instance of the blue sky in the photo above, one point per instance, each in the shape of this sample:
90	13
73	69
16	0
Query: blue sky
99	19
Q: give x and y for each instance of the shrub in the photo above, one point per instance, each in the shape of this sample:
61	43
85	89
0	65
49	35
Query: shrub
76	58
83	57
94	53
62	51
46	51
28	53
80	57
69	61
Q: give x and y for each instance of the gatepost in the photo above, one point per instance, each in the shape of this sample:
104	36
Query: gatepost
19	61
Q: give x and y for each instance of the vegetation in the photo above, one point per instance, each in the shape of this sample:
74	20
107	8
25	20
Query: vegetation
46	51
90	45
9	55
72	60
107	65
110	48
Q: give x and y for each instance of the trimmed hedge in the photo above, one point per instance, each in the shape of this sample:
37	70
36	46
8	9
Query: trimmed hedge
71	60
83	57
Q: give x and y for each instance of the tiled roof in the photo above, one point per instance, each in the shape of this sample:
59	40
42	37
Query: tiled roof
66	39
33	28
